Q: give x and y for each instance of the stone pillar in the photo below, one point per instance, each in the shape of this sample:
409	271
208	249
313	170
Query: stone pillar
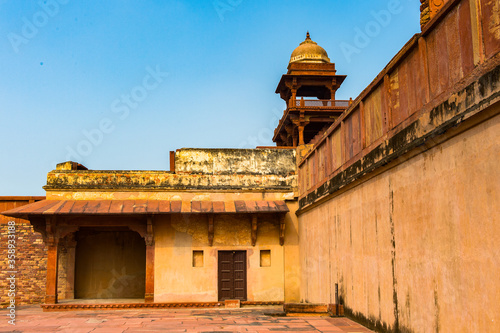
52	245
150	262
294	89
291	102
51	280
333	89
301	134
69	293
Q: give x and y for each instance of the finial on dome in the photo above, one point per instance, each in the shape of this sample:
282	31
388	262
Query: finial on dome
309	51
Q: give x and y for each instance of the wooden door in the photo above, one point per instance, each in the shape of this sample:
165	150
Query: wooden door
232	275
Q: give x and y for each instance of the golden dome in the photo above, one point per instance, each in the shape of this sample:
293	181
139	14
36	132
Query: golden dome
309	51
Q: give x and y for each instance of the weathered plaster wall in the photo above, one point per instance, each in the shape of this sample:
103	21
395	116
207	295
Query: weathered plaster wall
235	161
163	180
177	236
195	169
415	248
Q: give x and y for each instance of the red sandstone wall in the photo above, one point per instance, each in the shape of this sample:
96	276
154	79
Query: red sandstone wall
431	68
399	201
31	256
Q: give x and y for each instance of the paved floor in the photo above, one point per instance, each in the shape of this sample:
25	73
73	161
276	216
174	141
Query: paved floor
32	319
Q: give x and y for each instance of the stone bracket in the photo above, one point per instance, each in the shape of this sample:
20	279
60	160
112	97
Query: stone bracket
150	260
51	237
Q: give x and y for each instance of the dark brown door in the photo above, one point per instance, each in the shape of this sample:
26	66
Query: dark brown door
232	275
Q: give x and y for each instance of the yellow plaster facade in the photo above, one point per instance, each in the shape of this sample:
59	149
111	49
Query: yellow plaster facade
176	280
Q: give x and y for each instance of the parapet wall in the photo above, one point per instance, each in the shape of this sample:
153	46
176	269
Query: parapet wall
280	162
195	169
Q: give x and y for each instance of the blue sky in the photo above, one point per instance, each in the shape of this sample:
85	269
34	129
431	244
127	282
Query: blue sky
119	84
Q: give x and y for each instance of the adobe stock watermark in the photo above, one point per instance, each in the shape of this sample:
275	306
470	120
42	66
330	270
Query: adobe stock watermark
373	28
121	107
31	27
265	135
224	6
11	271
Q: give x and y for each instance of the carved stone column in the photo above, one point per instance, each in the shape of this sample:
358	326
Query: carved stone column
150	262
333	89
51	240
294	92
301	122
69	293
301	134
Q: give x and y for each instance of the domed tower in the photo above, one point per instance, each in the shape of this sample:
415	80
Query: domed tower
308	89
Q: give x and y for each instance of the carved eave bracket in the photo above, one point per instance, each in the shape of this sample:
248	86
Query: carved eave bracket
255	228
39	226
51	237
66	230
140	227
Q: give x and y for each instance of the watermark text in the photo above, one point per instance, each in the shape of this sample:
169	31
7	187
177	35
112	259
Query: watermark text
11	271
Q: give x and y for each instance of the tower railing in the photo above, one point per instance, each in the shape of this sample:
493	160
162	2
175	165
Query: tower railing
319	103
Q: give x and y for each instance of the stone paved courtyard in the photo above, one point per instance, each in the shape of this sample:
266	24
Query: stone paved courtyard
32	319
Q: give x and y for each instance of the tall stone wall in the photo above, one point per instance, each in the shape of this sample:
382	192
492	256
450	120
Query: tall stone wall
30	257
398	202
415	248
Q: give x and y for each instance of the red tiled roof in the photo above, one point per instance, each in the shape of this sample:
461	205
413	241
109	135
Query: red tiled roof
143	207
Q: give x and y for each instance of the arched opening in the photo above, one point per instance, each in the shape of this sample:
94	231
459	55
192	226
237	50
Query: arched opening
110	264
